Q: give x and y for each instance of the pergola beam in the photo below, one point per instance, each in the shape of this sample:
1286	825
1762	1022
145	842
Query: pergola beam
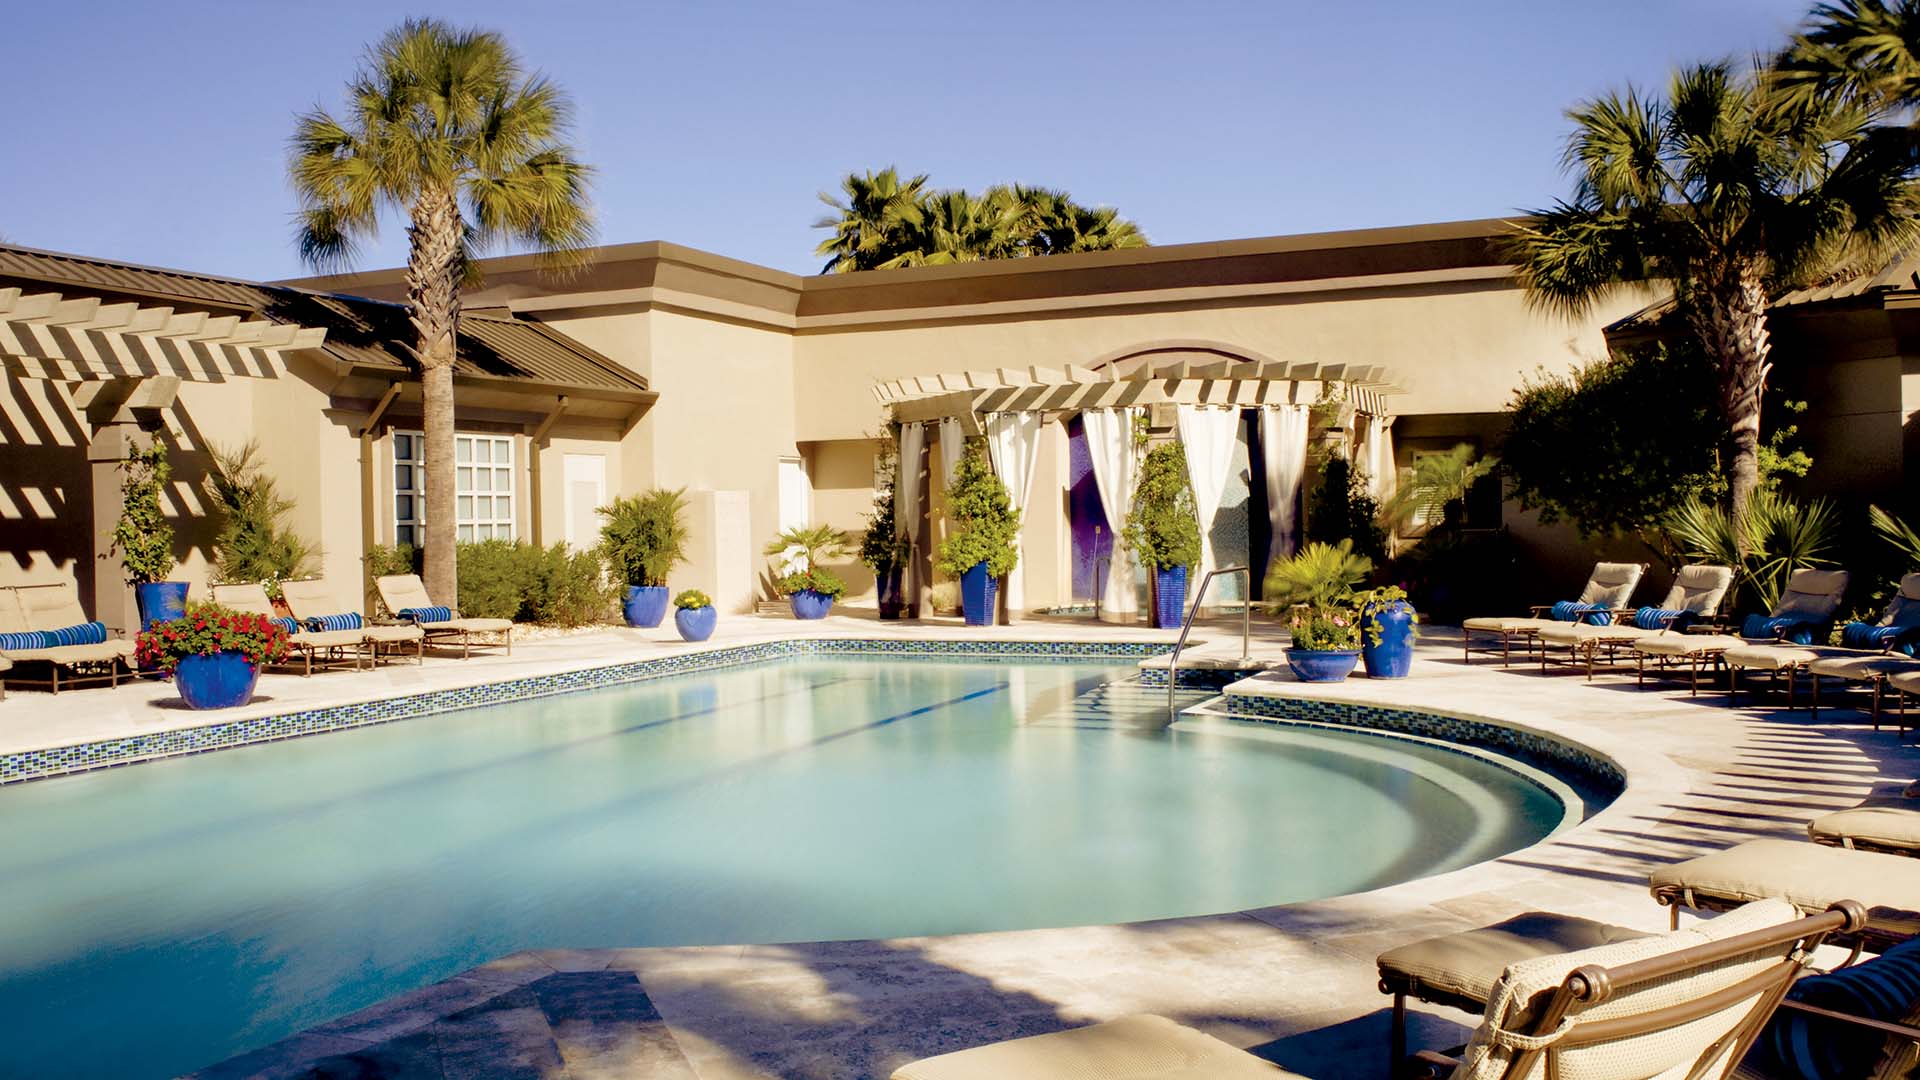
47	336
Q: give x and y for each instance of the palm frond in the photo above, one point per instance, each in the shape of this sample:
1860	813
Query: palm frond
1898	534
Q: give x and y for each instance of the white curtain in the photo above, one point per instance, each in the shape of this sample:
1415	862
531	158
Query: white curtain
906	505
1116	471
1013	442
1373	462
1208	435
1283	453
1389	472
953	441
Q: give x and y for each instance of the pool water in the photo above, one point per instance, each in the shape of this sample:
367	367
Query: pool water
160	918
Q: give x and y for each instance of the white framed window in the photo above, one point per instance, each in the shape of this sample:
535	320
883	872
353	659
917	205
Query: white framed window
482	487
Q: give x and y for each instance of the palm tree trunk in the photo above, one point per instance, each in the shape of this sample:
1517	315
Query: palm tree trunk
433	288
1731	321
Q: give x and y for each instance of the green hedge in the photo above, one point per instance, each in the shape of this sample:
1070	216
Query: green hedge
500	579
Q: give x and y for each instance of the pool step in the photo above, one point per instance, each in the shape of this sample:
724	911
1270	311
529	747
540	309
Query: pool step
1117	704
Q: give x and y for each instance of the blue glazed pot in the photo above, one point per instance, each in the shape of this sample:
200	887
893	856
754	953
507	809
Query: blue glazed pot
1393	657
215	680
979	594
1170	597
163	601
893	603
696	623
646	605
1322	665
808	604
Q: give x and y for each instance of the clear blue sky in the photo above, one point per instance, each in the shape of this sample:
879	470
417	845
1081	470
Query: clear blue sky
155	132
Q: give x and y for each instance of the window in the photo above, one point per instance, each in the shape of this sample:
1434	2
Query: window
482	487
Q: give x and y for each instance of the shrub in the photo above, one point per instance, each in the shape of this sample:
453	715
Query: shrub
1452	575
1163	528
945	597
644	537
501	579
1341	509
816	542
1781	536
572	588
984	520
255	543
385	561
692	600
143	537
882	545
1319	583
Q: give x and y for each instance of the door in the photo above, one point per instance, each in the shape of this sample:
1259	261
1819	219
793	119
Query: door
585	476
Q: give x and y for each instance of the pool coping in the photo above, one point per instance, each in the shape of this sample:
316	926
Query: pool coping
65	759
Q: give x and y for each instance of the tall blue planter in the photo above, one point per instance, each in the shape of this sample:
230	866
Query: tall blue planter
1170	597
215	680
646	605
807	604
979	595
893	600
164	601
1393	657
697	623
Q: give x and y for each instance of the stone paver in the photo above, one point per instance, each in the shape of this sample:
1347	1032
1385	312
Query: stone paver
1295	983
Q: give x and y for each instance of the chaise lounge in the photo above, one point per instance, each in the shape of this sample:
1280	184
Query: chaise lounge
44	624
1812	877
325	645
1607	591
1866	652
1687	1003
405	596
1810	599
1694	599
315	604
1887	826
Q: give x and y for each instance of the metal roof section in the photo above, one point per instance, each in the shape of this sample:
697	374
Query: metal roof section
1899	278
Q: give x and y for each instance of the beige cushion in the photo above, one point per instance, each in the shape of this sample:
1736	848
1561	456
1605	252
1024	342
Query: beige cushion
473	626
5	663
13	617
1698	588
1583	633
1773	657
1507	625
402	591
1906	680
76	654
389	635
326	639
51	607
1686	644
1468	964
1812	595
1664	1053
1880	826
249	597
313	598
1612	583
1810	876
1140	1047
1855	666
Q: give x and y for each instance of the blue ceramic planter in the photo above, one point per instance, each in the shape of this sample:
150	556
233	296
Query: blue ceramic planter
979	595
695	623
1393	657
893	602
215	680
1169	597
1322	665
162	601
646	605
808	604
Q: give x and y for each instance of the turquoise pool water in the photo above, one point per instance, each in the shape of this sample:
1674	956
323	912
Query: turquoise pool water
159	918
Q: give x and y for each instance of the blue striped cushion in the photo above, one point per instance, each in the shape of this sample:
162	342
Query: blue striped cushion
1653	618
1884	988
1786	628
1859	635
291	626
349	621
1575	611
427	614
26	639
88	633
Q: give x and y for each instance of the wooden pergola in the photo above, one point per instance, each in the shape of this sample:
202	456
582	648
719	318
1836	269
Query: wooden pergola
84	339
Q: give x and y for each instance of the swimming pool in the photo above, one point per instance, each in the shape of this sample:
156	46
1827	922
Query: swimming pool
167	916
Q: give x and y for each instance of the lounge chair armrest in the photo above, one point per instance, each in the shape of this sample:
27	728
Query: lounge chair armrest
1429	1065
1539	610
1885	1027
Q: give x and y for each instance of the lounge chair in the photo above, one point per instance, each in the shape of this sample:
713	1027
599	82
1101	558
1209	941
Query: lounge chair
1694	599
1810	599
326	645
1607	591
1809	876
1867	652
43	609
406	598
316	604
1687	1003
1890	826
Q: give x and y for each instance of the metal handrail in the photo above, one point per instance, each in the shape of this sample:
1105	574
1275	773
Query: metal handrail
1246	630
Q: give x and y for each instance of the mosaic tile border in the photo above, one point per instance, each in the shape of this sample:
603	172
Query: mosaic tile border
1199	678
109	753
1600	772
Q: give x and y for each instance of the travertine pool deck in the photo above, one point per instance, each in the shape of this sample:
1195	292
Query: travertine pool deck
1295	984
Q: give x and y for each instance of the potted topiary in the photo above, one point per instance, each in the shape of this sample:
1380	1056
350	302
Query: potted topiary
643	540
1163	529
694	616
885	551
1388	626
213	654
979	549
810	590
143	537
1324	621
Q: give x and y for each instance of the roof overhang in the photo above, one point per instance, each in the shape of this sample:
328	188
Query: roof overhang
49	336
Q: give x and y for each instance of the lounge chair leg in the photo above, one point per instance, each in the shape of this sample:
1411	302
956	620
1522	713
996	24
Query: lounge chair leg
1813	696
1790	674
1733	686
1397	1042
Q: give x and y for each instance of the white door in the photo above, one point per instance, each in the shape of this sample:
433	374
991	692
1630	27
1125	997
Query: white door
585	476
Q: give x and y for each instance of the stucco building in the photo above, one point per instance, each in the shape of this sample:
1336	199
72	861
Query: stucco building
763	393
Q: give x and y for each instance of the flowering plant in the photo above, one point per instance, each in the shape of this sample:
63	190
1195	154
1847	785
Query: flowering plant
692	599
1324	628
207	629
1319	582
824	582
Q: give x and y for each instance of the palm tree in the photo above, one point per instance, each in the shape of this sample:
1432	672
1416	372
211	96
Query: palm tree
877	223
884	222
1866	49
1732	191
444	126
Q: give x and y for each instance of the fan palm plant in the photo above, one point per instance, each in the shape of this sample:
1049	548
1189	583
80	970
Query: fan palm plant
1772	537
880	219
1731	190
443	126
